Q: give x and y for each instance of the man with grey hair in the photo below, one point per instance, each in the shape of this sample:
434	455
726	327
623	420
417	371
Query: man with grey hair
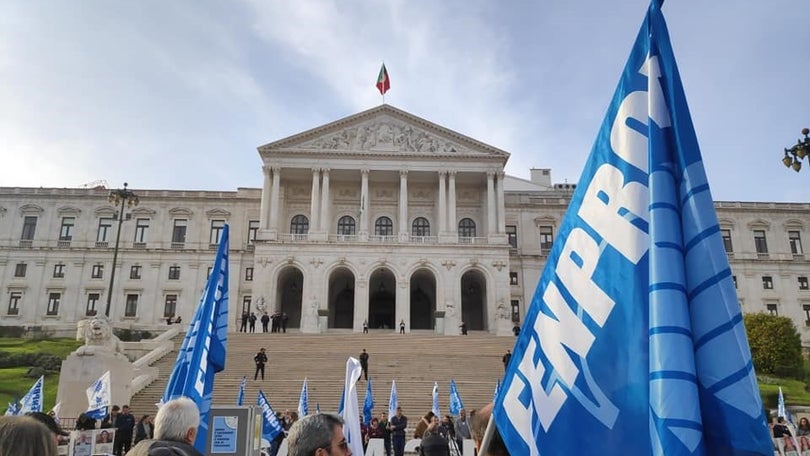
320	434
175	431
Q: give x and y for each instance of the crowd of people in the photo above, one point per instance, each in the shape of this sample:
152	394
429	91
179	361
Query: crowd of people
277	322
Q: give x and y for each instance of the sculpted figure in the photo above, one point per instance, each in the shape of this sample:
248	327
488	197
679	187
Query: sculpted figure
98	336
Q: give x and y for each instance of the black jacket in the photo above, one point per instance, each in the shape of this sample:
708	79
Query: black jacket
163	448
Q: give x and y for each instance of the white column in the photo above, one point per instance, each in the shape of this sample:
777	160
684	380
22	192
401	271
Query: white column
316	198
403	204
325	204
491	228
265	204
501	204
442	202
451	212
274	197
364	202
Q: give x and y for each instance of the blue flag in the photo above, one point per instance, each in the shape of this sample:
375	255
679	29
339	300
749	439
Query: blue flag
32	401
241	397
271	426
393	400
13	408
635	334
202	353
456	404
368	405
342	401
303	401
317	407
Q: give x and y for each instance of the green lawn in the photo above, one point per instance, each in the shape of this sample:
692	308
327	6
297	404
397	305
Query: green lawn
13	381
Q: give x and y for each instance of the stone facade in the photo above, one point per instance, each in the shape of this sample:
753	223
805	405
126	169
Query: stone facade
380	216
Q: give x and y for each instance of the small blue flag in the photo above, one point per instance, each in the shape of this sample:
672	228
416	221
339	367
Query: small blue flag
317	407
456	404
203	351
393	401
271	426
241	397
635	333
32	401
303	401
368	405
435	407
497	388
342	404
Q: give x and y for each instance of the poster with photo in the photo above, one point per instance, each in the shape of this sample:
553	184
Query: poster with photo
81	443
104	441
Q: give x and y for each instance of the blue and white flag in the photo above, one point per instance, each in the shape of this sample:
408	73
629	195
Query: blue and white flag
497	389
271	426
435	407
32	401
99	397
456	404
368	405
351	412
393	401
13	409
782	411
635	333
303	401
241	396
202	353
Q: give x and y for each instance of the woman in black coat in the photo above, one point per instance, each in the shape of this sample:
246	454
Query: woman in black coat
144	429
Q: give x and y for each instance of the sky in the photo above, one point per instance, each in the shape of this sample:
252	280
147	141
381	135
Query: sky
179	94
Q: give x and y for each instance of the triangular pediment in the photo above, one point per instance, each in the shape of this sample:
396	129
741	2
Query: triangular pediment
384	131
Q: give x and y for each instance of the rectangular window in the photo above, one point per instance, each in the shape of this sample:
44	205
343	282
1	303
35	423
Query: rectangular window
795	240
511	234
246	304
248	274
513	278
546	238
19	269
179	231
135	272
14	303
141	228
803	284
759	242
174	272
772	309
253	229
216	231
92	304
29	228
806	308
170	307
104	228
66	231
726	234
59	271
515	310
98	271
53	303
131	308
767	282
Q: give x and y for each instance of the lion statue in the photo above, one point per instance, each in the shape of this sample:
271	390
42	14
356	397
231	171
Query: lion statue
98	337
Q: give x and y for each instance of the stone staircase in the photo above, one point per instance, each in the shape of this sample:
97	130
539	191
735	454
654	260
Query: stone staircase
414	360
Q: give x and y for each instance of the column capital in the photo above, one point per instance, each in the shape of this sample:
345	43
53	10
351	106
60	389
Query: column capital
365	171
442	173
266	169
276	168
491	174
451	173
500	174
316	170
403	173
326	170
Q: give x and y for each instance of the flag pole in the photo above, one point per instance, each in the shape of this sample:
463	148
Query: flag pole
488	434
386	77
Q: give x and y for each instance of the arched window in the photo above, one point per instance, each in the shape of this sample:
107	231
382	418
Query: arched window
466	228
420	227
384	227
346	225
299	224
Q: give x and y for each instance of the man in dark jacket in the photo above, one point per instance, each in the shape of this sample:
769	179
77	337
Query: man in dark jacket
243	327
125	424
175	431
265	321
260	359
397	426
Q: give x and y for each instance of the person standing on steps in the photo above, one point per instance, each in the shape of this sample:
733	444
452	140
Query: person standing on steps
402	326
243	327
261	360
506	359
365	326
364	363
252	321
284	319
265	321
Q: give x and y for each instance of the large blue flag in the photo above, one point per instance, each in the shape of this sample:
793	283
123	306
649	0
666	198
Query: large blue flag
635	335
32	401
456	404
368	405
202	353
271	426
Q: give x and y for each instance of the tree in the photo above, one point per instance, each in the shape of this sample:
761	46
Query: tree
776	346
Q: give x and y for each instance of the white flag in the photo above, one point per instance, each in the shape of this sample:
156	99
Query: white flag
99	397
56	408
351	411
435	408
32	401
393	400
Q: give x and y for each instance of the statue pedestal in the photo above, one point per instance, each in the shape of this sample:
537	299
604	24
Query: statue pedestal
81	369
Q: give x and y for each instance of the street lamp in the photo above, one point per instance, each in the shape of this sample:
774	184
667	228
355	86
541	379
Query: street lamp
795	155
125	198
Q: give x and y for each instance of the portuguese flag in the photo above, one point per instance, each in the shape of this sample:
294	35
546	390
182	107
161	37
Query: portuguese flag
383	83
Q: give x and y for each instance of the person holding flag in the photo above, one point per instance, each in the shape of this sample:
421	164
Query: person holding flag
635	332
271	426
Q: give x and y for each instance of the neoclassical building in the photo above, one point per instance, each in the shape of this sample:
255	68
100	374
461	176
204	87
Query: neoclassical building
381	217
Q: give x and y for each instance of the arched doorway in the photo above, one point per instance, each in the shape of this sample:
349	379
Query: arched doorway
290	291
474	300
423	299
341	299
382	299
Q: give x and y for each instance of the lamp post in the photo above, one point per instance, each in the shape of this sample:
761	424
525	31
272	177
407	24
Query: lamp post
125	198
795	155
